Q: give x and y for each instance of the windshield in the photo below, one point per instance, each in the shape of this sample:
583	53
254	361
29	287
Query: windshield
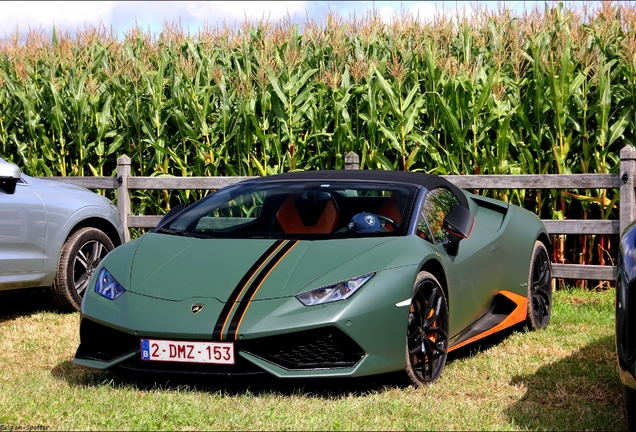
290	210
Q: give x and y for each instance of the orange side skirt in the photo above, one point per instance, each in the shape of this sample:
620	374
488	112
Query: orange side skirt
517	316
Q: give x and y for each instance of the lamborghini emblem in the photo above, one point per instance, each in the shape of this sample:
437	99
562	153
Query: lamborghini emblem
197	307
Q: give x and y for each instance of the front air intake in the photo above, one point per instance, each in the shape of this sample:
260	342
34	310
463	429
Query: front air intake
98	342
323	348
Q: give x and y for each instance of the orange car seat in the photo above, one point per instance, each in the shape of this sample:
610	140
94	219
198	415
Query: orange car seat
320	216
391	210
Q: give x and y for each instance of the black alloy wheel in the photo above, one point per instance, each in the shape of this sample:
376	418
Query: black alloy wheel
427	331
539	288
81	254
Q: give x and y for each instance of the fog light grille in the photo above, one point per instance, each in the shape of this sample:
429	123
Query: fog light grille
312	349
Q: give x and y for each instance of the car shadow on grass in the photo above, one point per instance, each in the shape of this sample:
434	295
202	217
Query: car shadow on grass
481	345
14	304
579	392
79	376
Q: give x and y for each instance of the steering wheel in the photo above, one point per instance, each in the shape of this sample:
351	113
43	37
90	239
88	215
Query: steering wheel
387	220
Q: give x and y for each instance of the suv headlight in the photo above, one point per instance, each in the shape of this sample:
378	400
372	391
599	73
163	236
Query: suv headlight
336	292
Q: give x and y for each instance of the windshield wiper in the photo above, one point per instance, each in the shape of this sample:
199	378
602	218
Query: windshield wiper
178	232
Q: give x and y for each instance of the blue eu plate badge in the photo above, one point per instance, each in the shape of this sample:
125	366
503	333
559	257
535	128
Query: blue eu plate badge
145	349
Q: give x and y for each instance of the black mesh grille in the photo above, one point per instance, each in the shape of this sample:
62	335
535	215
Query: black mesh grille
312	349
99	342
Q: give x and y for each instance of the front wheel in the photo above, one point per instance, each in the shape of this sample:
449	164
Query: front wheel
79	258
427	331
539	288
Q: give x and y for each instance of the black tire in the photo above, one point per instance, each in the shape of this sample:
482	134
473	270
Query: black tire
80	255
427	331
539	288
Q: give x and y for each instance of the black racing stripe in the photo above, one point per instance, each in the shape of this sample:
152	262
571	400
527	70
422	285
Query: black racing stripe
255	285
229	304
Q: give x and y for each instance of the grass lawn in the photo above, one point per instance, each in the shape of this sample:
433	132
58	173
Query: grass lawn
563	378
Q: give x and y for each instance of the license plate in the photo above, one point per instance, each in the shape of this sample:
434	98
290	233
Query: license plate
187	351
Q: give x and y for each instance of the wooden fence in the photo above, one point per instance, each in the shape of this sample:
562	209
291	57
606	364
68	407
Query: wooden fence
624	181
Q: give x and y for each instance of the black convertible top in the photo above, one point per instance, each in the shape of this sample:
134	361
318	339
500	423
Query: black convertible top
429	181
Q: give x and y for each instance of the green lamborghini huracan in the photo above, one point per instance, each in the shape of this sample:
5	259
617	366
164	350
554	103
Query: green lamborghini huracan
318	274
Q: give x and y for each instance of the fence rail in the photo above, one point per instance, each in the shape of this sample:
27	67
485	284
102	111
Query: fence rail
624	181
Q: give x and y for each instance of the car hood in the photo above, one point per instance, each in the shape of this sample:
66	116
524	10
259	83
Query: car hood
176	268
40	183
58	195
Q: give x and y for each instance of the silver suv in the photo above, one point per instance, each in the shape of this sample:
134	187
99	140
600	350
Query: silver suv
52	234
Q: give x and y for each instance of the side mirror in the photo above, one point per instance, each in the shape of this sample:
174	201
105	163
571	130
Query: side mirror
9	176
458	223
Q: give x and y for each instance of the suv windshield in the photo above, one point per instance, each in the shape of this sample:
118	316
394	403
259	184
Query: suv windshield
309	210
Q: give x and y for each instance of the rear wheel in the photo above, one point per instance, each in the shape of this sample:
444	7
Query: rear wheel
427	331
81	254
539	288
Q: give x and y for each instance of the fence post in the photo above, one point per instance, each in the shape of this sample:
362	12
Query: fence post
352	161
123	195
627	197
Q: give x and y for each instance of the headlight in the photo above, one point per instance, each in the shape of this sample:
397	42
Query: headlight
331	293
107	286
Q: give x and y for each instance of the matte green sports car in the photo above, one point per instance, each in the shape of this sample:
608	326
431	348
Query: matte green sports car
318	274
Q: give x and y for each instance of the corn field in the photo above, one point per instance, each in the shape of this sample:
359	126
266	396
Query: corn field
550	91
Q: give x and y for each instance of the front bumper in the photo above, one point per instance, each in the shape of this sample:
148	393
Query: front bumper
363	335
296	353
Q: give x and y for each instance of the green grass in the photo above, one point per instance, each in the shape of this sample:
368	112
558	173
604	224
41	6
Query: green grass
563	378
